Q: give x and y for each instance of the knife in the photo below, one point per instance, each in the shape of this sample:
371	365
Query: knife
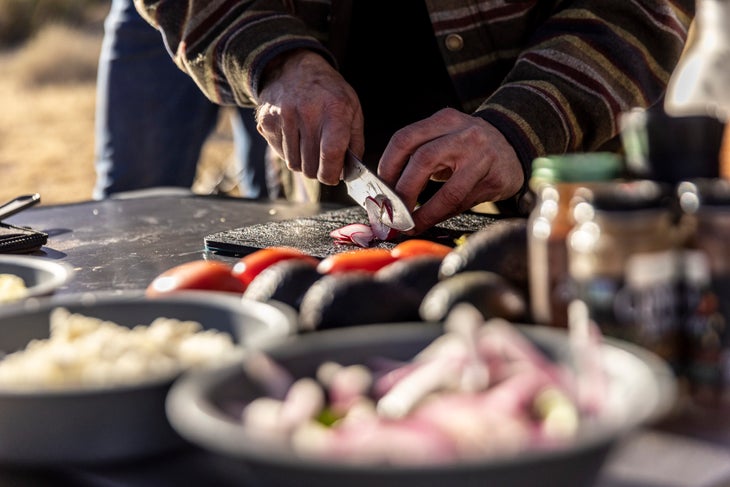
18	204
363	184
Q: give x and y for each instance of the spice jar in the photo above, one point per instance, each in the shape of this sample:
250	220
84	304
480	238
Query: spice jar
624	265
557	182
706	206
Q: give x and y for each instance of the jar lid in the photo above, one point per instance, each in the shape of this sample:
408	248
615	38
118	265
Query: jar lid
632	195
577	167
710	192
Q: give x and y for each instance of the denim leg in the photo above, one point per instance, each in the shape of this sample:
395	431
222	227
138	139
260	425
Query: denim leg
250	154
151	118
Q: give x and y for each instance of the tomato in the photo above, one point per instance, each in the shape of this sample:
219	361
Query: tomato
369	260
415	247
207	275
251	265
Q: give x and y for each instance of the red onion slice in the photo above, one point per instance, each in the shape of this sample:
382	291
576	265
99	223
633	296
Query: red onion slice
354	234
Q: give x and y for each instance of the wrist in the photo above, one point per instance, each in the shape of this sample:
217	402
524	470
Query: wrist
279	64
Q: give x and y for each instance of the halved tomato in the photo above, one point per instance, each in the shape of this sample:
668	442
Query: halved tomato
251	265
209	275
369	260
416	246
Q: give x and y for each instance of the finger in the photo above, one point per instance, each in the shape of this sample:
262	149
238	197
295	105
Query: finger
309	147
408	139
336	138
435	157
268	126
447	202
291	150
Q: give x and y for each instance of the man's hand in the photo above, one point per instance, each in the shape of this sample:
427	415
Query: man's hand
310	115
472	156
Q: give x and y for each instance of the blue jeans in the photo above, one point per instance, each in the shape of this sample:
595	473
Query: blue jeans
151	118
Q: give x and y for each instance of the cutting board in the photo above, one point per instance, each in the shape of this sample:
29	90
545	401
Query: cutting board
312	234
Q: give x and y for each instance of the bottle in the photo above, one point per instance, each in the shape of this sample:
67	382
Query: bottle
700	84
557	182
706	320
624	266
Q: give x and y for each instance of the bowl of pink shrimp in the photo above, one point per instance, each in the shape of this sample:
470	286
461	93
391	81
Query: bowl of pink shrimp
463	402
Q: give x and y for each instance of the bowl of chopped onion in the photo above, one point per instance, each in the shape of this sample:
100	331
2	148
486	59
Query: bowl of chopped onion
25	276
84	377
464	402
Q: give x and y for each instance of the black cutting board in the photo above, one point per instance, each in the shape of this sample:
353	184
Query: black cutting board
312	234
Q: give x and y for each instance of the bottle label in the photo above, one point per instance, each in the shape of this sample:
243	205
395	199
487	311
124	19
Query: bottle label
705	331
640	306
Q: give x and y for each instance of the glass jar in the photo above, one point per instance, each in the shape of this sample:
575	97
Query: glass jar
624	265
558	183
706	206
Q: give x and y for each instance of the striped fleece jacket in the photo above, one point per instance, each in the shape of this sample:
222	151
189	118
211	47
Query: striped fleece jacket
551	75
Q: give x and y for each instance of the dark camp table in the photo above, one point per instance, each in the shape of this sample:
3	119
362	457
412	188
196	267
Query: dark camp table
122	244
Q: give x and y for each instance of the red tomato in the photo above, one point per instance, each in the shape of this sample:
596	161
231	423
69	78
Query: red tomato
252	264
369	260
207	275
415	247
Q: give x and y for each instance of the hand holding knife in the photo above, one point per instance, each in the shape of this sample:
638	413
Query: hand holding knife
363	185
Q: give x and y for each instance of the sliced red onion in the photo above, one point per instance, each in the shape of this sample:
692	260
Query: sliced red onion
355	234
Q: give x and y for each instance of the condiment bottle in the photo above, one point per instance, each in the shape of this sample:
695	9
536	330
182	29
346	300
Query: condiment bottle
623	261
706	324
557	182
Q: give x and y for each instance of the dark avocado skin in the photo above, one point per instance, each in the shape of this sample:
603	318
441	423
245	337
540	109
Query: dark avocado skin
417	273
356	298
490	293
500	248
284	281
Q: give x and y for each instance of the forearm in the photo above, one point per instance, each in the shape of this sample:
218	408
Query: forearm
226	46
587	64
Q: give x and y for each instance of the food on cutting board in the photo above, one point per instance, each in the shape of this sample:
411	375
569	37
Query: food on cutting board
83	351
205	275
480	390
380	215
12	288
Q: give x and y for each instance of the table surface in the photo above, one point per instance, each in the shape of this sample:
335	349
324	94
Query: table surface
122	244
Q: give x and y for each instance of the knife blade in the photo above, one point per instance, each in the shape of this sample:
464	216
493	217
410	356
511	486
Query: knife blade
363	184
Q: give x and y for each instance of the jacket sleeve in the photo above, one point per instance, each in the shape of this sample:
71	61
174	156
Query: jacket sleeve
589	62
224	45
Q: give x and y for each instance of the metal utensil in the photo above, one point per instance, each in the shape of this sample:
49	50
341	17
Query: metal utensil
363	184
18	204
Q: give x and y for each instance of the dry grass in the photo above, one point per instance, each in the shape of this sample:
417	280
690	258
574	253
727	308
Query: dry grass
47	91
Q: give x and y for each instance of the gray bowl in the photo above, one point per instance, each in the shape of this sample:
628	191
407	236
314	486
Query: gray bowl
114	423
205	408
42	276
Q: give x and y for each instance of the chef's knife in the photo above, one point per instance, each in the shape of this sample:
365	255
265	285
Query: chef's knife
363	184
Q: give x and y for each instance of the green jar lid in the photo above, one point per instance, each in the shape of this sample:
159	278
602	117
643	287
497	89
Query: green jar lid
577	167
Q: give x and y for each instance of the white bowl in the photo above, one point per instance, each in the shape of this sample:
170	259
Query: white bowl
105	424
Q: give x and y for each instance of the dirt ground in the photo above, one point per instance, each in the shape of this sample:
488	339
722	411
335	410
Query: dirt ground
47	136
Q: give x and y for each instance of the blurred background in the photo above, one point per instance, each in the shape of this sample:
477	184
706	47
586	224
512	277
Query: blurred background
48	59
